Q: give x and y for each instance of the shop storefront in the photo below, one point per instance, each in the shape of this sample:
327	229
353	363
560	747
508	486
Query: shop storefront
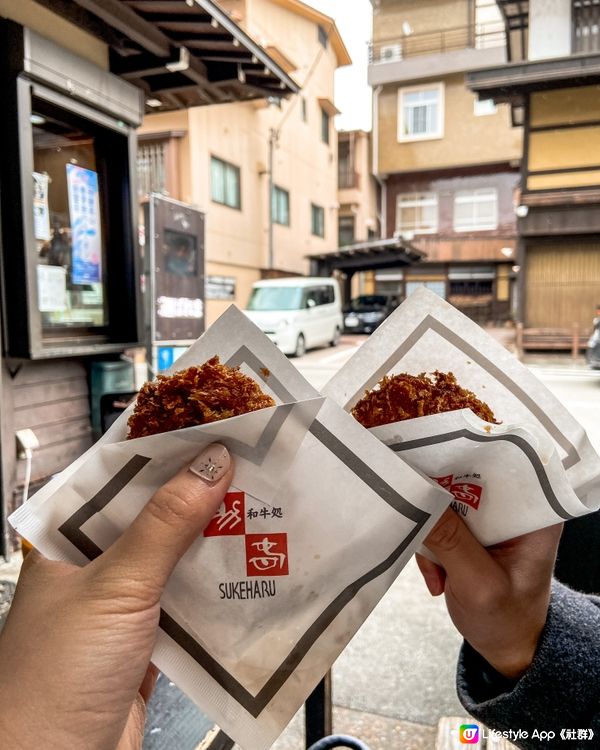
77	79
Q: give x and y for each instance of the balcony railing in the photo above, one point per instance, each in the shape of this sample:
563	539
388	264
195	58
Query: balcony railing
348	179
475	36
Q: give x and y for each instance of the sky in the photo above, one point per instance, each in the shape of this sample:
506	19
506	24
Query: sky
352	94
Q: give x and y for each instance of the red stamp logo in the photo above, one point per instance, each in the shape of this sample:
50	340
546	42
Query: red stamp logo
229	520
266	555
464	492
444	482
467	493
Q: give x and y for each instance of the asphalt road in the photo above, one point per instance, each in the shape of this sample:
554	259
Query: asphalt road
400	665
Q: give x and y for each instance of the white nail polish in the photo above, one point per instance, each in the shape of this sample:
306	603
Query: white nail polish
212	463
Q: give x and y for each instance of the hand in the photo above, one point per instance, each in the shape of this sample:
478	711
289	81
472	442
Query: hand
497	597
75	652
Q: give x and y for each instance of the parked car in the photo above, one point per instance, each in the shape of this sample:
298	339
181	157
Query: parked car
593	348
366	312
297	313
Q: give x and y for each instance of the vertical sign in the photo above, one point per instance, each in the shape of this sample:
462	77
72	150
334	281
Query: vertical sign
86	240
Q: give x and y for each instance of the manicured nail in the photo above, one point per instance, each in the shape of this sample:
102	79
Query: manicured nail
212	463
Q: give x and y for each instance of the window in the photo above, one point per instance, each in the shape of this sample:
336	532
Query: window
483	107
324	126
224	183
345	230
421	112
151	168
323	36
317	220
417	212
280	206
320	295
303	111
476	209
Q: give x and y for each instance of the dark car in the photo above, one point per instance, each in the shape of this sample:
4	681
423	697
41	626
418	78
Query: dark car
593	350
366	312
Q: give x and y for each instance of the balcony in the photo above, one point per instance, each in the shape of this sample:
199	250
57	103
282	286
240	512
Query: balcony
453	50
348	179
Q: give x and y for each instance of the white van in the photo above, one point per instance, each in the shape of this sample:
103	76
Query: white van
297	313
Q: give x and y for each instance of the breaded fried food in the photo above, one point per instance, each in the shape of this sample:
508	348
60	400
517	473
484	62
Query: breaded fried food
406	396
196	395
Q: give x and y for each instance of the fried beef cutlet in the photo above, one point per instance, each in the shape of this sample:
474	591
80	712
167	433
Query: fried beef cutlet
196	395
404	396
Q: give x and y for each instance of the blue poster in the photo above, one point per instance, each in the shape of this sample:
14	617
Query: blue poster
86	240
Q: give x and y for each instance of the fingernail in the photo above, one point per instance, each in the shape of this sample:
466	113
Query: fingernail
212	464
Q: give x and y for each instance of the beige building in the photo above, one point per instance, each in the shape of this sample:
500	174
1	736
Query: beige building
448	163
218	158
357	189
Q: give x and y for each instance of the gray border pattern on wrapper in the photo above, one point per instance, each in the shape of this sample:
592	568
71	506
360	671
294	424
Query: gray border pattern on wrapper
520	442
255	704
430	323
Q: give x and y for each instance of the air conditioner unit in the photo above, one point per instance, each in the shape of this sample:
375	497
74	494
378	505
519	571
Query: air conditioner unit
390	52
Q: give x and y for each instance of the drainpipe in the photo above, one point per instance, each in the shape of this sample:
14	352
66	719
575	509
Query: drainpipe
273	136
375	167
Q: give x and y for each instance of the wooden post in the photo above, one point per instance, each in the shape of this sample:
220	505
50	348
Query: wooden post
318	712
575	345
520	340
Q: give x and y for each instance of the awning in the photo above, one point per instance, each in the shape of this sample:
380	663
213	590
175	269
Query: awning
366	256
181	53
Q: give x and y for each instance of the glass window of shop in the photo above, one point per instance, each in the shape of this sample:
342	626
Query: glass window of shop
68	224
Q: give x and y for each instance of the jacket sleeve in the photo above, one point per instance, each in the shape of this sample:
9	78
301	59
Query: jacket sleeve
561	689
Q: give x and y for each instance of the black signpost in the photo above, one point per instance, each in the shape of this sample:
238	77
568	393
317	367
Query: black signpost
174	244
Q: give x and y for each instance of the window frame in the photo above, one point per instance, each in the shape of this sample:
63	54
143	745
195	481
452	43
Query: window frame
433	199
25	337
438	86
279	191
481	227
314	211
226	165
347	219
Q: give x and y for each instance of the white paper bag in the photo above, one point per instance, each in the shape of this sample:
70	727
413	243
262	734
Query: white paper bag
534	469
317	525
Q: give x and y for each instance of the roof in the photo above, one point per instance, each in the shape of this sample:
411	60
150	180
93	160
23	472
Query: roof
342	54
181	53
363	256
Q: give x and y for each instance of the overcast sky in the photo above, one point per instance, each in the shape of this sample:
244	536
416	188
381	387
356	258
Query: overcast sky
352	94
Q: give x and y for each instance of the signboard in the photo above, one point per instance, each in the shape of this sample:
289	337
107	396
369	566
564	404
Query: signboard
41	214
52	288
175	240
84	209
220	287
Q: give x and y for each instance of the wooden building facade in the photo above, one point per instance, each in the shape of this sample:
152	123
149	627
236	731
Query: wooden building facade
552	83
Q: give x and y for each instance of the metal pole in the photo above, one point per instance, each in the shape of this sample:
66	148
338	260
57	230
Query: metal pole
273	136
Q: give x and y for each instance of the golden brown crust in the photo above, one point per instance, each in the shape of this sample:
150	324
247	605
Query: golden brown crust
406	396
197	395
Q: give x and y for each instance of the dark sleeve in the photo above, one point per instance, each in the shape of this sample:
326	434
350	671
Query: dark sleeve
561	689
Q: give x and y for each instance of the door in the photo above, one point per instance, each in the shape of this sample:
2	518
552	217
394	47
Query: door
562	285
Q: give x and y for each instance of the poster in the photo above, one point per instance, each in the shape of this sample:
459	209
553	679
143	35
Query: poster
84	208
52	288
41	214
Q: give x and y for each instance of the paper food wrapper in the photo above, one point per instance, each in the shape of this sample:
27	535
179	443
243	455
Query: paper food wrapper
534	469
317	525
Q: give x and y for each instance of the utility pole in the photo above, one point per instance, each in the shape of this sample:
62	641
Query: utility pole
273	140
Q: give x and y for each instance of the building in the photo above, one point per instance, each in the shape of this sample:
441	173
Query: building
448	163
358	197
552	83
265	172
76	78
